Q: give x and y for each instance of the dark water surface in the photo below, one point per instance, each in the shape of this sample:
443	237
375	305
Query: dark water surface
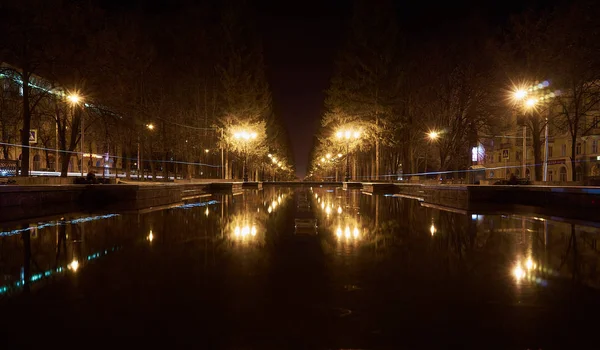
230	271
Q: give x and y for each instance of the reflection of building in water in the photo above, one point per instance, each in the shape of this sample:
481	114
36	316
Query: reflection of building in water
57	247
542	250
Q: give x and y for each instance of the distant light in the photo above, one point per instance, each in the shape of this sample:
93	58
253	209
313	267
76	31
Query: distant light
529	264
347	134
338	232
530	102
347	232
206	212
432	229
74	265
518	272
356	134
206	150
328	210
269	209
236	231
245	231
339	134
150	126
356	232
433	135
253	231
520	94
74	98
150	237
328	155
339	210
339	155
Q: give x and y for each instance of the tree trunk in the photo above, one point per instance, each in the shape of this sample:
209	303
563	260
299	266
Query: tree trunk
64	165
377	160
573	155
26	126
127	161
537	148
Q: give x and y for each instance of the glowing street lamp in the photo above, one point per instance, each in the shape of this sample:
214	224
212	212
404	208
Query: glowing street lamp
74	98
530	103
523	100
519	94
349	135
245	137
433	135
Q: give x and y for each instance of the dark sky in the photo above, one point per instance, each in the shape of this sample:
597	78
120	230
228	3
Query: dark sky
300	43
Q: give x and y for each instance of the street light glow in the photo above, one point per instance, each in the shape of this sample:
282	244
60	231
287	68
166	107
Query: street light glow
245	135
433	135
74	98
519	94
150	126
530	103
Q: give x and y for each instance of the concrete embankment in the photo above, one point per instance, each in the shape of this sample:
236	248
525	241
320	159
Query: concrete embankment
575	202
22	202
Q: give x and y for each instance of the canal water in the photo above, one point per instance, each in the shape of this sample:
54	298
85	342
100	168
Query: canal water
236	271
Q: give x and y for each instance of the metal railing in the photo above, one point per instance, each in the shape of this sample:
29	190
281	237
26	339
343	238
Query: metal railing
9	167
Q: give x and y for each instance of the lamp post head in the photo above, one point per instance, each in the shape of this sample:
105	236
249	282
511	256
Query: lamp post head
519	94
530	103
74	98
150	126
433	135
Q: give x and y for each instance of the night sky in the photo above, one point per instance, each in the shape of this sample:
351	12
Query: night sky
300	44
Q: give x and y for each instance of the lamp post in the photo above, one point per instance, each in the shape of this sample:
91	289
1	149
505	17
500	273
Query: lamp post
349	135
528	104
139	157
74	100
245	137
433	136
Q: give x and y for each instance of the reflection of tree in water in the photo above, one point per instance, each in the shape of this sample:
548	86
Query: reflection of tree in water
575	255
